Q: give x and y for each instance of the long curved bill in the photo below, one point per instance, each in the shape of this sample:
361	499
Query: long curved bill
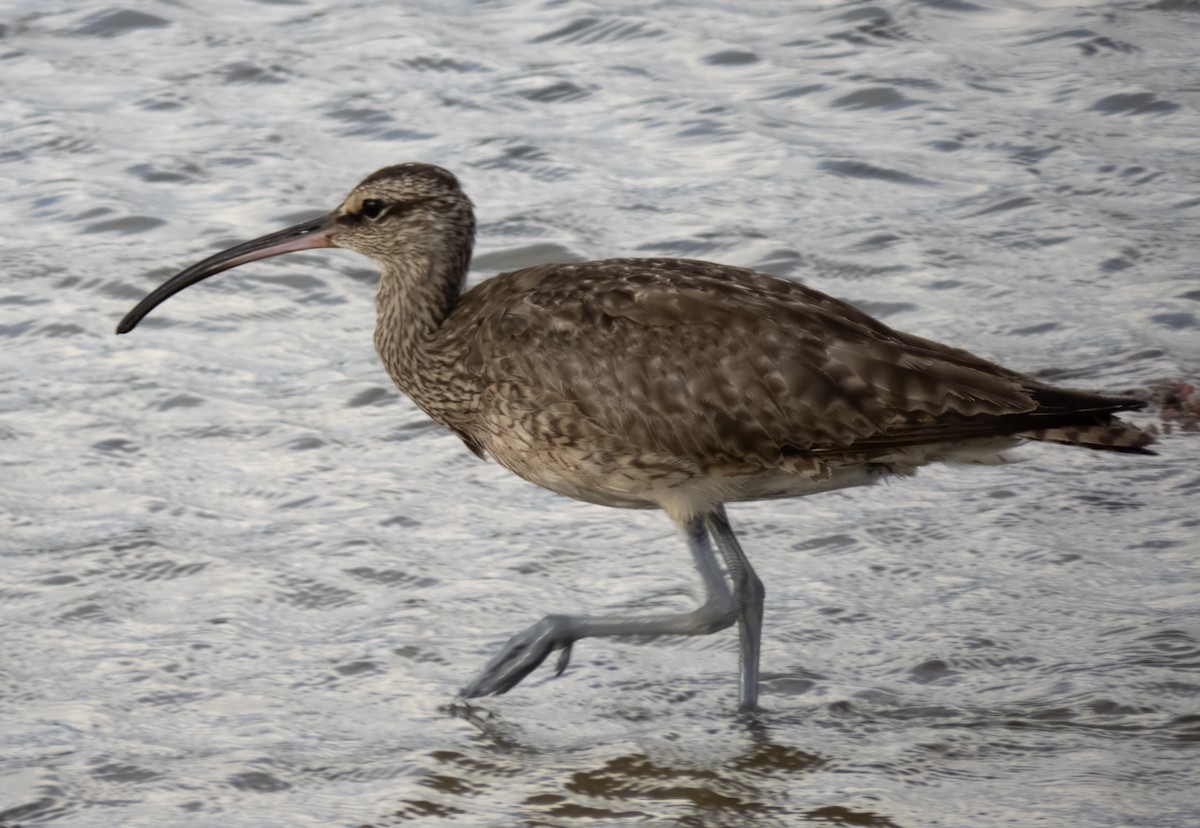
303	236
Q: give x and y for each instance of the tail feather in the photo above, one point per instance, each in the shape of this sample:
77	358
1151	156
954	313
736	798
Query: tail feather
1107	435
1096	428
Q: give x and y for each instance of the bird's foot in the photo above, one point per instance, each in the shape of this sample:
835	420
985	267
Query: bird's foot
522	654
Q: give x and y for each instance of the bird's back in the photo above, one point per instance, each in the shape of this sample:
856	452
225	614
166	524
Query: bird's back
678	369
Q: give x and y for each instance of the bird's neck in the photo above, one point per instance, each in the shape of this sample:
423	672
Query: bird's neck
415	298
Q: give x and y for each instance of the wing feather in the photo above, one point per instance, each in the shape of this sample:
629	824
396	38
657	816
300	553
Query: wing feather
720	366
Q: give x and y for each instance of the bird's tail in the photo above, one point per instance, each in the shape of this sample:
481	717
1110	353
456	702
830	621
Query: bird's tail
1093	424
1114	435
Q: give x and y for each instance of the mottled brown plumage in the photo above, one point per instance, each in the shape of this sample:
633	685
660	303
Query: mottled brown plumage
690	369
664	383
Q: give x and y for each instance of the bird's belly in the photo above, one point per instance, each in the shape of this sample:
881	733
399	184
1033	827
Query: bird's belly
623	481
616	477
677	486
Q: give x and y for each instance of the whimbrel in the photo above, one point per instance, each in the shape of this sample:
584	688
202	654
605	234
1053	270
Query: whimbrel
666	384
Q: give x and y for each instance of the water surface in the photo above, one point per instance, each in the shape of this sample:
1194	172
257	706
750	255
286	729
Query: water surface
242	577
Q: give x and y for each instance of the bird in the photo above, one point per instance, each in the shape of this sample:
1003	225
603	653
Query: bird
663	383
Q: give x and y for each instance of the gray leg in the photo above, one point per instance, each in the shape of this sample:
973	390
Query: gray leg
529	648
748	593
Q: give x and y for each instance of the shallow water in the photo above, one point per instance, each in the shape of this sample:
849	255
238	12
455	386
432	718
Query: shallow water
242	578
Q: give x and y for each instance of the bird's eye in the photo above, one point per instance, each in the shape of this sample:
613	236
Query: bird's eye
373	208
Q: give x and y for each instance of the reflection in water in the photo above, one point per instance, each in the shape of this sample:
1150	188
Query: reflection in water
755	782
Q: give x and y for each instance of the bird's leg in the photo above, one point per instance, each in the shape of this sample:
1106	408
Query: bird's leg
529	648
748	593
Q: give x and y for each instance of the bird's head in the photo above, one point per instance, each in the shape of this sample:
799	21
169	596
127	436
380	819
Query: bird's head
407	212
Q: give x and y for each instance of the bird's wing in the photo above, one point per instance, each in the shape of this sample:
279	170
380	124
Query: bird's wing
721	366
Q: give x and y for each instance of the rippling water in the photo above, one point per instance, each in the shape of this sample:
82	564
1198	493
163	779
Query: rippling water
243	578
